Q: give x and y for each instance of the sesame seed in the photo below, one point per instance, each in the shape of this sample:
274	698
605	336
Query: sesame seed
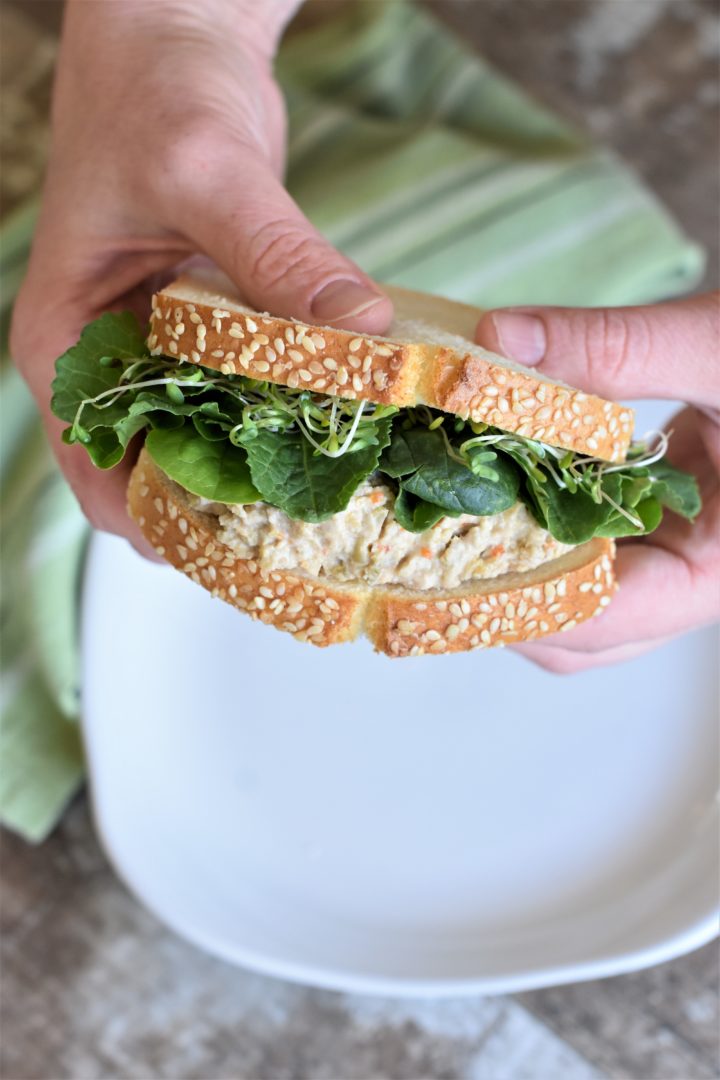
593	444
280	346
218	353
383	350
262	365
296	356
357	383
569	625
494	626
172	346
485	637
544	626
431	635
355	344
271	355
235	332
289	335
305	375
586	586
342	376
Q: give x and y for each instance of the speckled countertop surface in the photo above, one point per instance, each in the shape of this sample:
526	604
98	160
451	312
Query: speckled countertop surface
92	986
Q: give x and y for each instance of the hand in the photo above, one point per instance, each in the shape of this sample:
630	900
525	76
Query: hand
168	140
669	581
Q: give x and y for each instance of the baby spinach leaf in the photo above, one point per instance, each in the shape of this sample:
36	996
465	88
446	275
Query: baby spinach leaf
411	448
214	470
675	489
415	514
570	518
420	457
288	472
80	372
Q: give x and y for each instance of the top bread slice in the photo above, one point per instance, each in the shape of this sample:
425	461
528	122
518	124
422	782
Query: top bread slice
427	358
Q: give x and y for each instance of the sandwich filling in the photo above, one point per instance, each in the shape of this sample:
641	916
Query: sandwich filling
366	542
348	488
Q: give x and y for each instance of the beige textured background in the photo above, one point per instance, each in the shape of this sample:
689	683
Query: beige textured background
91	986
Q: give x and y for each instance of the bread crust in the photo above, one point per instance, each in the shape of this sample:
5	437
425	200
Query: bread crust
202	320
399	622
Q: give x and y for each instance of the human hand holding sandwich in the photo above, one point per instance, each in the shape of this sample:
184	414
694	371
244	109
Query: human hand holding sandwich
670	580
126	201
168	140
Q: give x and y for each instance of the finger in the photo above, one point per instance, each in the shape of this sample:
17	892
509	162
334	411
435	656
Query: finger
249	225
661	594
103	496
664	351
561	661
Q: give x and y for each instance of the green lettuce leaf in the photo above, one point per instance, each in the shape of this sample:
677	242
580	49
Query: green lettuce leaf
420	459
291	475
675	489
415	514
214	470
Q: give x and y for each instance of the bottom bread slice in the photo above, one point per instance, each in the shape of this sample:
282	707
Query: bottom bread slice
400	622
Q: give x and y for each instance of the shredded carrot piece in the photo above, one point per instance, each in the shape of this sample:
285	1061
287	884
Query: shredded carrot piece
426	553
376	497
494	552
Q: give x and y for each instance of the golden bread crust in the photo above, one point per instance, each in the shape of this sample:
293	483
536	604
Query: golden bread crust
195	321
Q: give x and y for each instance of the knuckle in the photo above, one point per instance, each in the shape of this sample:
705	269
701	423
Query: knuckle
193	161
614	339
279	250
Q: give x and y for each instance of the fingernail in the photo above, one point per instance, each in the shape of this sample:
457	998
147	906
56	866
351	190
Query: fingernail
521	337
342	300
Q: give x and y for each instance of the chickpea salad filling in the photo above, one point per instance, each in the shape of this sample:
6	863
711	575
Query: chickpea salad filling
281	458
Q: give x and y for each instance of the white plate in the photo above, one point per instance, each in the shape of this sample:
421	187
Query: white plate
432	825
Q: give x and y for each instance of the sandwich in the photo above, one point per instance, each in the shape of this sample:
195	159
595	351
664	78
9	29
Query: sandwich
413	487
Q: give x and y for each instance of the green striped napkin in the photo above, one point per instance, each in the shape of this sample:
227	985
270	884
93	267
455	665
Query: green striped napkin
430	170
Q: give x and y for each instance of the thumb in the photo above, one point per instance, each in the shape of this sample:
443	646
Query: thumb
257	234
664	351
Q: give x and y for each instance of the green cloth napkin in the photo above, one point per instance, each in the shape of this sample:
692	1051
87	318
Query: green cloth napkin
431	170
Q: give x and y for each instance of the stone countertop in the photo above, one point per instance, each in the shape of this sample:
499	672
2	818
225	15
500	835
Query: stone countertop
92	986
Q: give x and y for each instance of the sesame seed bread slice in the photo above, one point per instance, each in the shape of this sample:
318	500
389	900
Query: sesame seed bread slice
427	358
400	622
